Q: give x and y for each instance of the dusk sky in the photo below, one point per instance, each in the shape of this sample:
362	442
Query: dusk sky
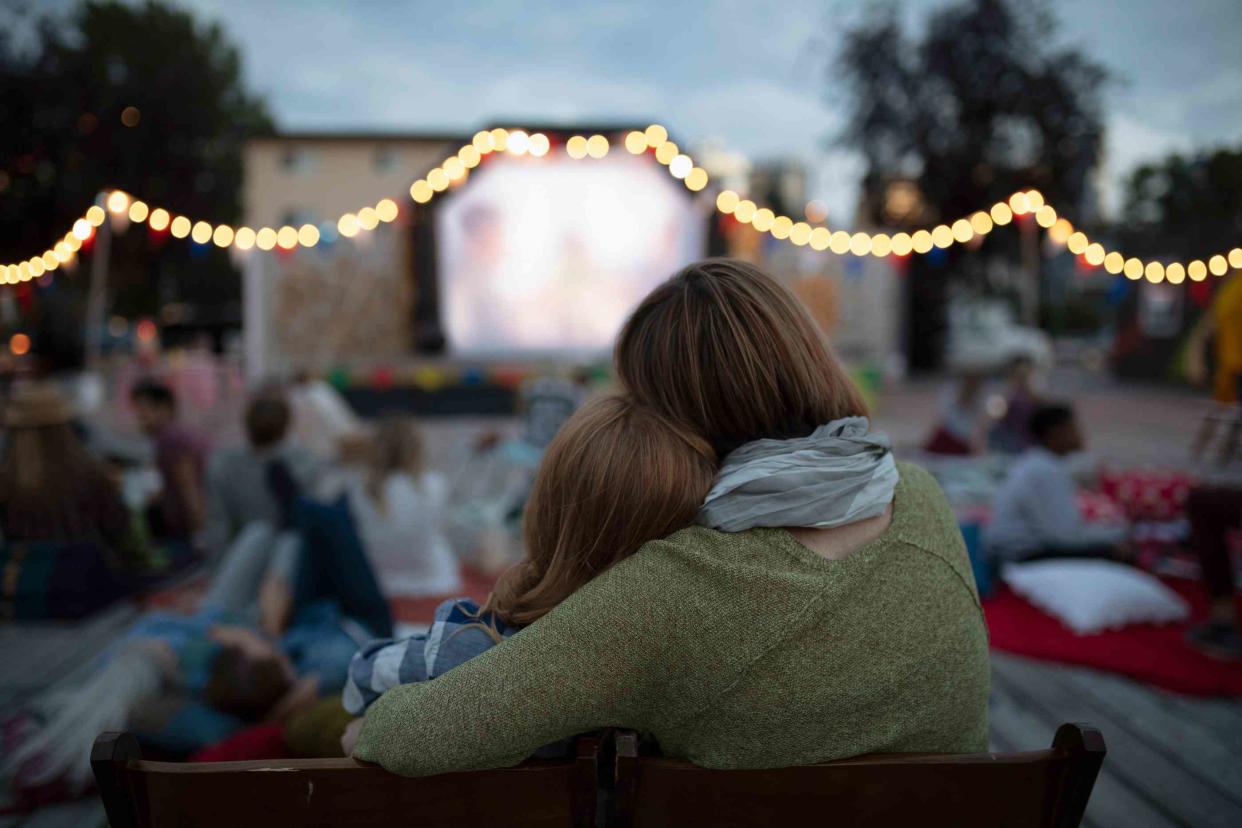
751	76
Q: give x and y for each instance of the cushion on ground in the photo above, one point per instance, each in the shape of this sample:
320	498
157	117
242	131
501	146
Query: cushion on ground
1090	596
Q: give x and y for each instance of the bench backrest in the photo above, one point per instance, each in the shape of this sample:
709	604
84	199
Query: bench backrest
337	792
1040	789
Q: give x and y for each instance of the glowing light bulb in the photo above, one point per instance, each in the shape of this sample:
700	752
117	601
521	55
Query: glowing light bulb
821	237
500	139
201	233
61	251
23	272
287	237
680	166
1196	270
782	227
1095	254
762	219
597	146
367	218
1019	204
942	236
539	145
138	211
1077	243
1133	269
454	169
727	201
816	212
519	142
73	242
635	143
49	260
386	210
117	202
1060	231
265	239
180	227
82	230
36	267
839	242
981	223
347	225
697	179
962	231
800	234
244	240
1001	213
1114	262
95	215
223	235
744	211
1154	272
1034	199
159	219
308	234
902	244
576	147
421	191
1235	257
655	135
1175	273
482	141
1046	216
881	245
860	244
1217	265
921	241
666	152
438	179
19	344
469	156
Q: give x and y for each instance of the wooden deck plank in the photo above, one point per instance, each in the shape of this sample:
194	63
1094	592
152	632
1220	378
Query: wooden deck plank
1017	726
1143	766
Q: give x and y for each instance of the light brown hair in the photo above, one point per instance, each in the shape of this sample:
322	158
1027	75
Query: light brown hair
616	475
727	351
396	447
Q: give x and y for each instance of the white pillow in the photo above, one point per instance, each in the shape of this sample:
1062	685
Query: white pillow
1093	595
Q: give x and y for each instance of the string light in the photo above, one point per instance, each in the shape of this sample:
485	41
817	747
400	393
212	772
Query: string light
680	165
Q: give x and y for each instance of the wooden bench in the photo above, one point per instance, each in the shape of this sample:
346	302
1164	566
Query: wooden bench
138	793
1040	789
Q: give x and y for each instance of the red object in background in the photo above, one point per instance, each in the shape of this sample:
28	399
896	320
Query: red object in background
1157	654
1201	293
266	741
145	330
382	378
1142	495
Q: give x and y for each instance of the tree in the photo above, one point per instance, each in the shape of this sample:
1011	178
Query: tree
983	104
139	97
1185	207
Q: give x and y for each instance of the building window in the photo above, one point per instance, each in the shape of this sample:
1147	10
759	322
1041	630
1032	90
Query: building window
297	160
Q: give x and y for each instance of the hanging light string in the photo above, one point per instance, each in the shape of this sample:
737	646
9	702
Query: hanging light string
456	168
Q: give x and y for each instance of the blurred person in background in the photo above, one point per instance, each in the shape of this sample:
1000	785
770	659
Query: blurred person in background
239	479
399	508
181	458
1221	325
963	417
1035	514
1214	510
1012	431
322	419
51	487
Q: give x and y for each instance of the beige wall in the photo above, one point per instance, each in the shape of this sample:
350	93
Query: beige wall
333	176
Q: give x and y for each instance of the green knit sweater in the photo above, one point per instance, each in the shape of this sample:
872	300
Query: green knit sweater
742	650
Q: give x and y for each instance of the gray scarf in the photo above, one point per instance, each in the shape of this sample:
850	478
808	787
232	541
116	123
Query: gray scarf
840	474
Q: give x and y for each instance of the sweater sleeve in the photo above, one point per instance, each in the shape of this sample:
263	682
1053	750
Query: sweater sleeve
590	663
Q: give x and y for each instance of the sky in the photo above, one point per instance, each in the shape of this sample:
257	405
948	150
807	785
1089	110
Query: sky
752	77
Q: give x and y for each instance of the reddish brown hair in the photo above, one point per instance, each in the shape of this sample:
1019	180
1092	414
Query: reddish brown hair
730	353
616	475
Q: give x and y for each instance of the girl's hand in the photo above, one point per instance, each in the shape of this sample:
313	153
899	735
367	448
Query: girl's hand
350	737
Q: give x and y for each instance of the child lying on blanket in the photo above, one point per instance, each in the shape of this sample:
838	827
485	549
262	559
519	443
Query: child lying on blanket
615	476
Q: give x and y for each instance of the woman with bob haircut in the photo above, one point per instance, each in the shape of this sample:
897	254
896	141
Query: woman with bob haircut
822	607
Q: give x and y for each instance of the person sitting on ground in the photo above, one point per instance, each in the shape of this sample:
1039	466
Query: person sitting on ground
962	417
1035	513
614	477
239	491
823	607
51	487
1012	431
180	456
400	508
